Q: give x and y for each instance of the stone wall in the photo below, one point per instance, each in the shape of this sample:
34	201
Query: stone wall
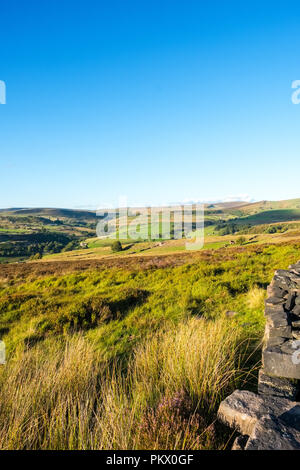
270	419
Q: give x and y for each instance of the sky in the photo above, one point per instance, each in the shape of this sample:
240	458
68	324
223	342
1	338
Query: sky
159	101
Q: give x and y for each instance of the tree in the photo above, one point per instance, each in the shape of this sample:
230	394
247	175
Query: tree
116	246
36	256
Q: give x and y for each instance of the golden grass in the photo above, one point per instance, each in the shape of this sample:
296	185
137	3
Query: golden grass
59	395
255	298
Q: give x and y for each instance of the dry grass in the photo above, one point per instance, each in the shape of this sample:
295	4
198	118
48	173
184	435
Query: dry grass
61	396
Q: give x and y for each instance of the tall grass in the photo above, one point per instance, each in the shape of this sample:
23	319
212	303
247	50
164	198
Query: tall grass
60	394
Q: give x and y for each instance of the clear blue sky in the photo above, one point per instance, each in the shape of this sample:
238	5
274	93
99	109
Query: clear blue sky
158	100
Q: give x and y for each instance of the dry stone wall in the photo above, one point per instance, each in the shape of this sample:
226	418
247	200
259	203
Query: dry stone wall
270	419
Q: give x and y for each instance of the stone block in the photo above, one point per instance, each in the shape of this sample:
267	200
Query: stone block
296	310
290	301
277	386
274	301
274	291
279	361
284	332
277	320
274	341
296	324
242	409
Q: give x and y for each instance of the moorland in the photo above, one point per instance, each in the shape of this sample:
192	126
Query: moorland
133	349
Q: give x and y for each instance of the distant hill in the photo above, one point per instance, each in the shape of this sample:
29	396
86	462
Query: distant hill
50	212
263	206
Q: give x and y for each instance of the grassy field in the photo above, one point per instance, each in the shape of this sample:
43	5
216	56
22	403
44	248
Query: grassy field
131	352
133	349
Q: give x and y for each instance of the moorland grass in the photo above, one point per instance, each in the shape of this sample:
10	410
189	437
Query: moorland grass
131	358
61	395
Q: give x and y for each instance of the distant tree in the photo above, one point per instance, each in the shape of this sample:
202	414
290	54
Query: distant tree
116	246
271	229
36	256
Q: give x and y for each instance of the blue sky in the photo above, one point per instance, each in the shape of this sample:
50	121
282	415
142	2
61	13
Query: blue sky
160	101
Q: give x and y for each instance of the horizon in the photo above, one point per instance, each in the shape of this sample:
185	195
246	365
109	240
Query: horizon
140	206
159	101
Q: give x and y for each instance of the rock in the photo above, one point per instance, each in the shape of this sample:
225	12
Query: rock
279	361
286	280
296	310
284	331
275	310
274	341
270	420
296	334
271	433
242	409
274	301
240	442
274	291
295	268
277	386
290	301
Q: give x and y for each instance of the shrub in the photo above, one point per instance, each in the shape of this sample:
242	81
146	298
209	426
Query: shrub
116	246
36	256
241	241
85	315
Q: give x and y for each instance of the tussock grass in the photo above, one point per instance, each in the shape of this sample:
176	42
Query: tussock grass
60	395
255	298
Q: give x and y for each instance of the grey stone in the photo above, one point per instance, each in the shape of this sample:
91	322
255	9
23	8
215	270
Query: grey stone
295	267
290	301
242	409
274	341
296	310
274	291
277	320
274	301
286	280
296	324
231	313
277	386
296	334
278	361
271	433
271	309
284	332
